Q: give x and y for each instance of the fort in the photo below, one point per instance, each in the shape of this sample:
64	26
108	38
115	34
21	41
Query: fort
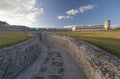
106	26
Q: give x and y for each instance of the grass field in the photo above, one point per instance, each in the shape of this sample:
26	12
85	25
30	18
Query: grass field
108	41
10	38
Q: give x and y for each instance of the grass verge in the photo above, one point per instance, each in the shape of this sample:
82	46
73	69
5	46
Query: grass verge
11	38
108	41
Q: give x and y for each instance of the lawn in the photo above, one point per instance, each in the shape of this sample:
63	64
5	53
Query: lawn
11	38
108	41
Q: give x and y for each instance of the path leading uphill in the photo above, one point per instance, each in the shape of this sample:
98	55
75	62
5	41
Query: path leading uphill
53	63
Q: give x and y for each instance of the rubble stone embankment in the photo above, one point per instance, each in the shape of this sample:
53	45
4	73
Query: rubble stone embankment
96	63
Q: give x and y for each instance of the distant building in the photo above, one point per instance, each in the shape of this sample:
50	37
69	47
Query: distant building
106	26
87	27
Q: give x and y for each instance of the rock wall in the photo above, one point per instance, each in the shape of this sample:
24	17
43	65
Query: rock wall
96	63
14	58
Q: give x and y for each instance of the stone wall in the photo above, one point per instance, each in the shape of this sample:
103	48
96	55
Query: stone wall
14	58
96	63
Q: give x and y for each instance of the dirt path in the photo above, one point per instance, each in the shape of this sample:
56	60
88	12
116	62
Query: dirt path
54	63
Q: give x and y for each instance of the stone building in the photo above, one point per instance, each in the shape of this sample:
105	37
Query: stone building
106	26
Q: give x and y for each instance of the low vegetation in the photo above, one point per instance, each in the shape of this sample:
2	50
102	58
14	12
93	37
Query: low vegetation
10	38
108	41
117	28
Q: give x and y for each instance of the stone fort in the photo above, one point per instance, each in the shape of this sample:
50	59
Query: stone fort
105	26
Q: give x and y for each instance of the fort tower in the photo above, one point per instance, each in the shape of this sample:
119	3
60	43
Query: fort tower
107	25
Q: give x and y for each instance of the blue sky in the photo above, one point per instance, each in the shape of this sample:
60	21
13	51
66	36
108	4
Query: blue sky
101	11
59	13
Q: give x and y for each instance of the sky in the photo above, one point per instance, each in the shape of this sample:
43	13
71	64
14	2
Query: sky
59	13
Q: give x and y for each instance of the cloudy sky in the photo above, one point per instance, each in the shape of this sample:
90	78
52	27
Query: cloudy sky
59	13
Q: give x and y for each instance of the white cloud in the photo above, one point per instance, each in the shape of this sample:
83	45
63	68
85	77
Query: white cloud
69	26
19	12
72	12
64	17
86	8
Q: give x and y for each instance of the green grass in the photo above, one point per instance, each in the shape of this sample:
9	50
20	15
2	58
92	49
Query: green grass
117	28
108	41
11	38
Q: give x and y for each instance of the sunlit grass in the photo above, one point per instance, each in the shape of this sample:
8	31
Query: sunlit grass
10	38
109	41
